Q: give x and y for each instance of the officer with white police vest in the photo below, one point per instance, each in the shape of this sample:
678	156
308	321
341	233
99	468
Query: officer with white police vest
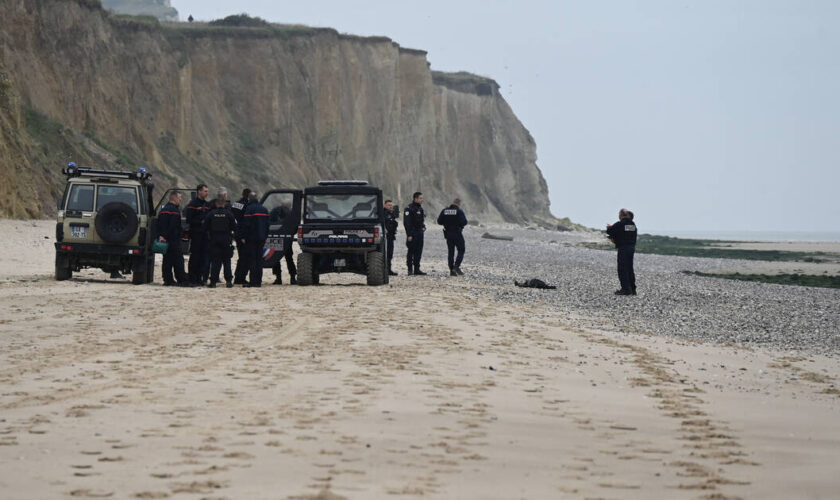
453	220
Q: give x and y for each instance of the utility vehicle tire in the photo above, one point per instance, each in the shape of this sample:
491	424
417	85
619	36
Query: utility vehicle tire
377	272
116	223
306	269
62	268
139	270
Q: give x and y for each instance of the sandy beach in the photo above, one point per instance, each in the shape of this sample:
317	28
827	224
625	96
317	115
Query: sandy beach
432	387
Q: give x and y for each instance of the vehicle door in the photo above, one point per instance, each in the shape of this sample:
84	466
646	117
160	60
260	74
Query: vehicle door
284	209
188	194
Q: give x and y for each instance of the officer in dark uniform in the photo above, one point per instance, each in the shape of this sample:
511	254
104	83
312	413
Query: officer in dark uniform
220	225
169	230
414	222
278	215
391	225
195	212
623	234
453	220
252	234
238	209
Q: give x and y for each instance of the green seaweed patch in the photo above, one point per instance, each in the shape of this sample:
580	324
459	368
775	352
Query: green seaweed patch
812	280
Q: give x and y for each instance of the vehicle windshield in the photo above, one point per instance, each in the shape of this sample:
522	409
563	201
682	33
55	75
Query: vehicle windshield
341	206
121	194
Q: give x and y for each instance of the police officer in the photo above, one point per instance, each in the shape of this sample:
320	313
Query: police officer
252	234
219	225
391	225
278	215
414	221
453	220
238	209
623	234
195	212
169	230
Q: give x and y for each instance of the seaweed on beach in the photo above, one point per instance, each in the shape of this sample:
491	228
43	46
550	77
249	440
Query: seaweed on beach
819	280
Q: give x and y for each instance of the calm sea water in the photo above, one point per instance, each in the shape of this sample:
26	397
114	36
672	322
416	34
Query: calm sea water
833	236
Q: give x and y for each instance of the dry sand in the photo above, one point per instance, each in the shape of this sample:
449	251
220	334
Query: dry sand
347	391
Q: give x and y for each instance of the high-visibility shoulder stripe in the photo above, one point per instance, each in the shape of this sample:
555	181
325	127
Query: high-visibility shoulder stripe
256	214
170	213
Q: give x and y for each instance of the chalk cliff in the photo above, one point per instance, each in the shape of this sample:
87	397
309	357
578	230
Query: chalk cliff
261	107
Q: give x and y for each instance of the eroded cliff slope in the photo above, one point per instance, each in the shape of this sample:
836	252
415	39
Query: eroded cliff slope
260	107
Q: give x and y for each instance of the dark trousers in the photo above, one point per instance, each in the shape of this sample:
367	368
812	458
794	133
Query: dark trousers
220	255
389	248
290	264
626	275
199	258
173	260
415	250
242	266
254	254
454	241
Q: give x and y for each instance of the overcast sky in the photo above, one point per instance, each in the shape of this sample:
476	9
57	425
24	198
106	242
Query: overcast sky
703	115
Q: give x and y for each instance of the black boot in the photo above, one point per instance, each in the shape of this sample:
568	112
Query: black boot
458	270
418	272
452	272
293	279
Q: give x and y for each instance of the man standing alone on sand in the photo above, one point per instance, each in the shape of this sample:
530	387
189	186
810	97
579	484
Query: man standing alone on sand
414	223
453	220
623	234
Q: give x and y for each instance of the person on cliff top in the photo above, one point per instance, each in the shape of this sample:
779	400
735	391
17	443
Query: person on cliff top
238	209
391	225
197	208
453	220
414	221
623	235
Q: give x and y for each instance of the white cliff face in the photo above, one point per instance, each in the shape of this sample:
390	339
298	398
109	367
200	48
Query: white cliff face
264	107
160	9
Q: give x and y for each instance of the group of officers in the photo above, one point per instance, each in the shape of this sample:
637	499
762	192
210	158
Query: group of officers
214	227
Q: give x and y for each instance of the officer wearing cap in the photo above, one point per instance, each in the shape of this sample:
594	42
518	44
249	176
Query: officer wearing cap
453	220
414	221
623	234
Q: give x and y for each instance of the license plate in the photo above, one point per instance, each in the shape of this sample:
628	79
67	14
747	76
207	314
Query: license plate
274	244
78	231
339	263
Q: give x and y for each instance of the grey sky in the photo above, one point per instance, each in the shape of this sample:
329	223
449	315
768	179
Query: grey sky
702	115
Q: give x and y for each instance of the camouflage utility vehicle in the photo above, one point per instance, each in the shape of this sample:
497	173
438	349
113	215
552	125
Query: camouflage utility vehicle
105	220
342	231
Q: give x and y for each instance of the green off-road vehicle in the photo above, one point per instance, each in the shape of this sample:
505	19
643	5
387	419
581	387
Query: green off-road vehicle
343	231
105	220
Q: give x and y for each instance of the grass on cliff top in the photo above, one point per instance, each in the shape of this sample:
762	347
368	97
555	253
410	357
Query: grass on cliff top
819	280
666	245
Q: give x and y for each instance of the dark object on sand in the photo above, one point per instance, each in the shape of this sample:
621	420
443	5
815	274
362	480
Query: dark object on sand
489	236
534	283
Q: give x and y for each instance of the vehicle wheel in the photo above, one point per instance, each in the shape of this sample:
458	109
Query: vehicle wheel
116	223
139	270
376	269
62	268
150	269
306	270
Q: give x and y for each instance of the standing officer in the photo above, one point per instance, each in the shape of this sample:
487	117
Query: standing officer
454	221
169	230
219	225
238	209
278	215
414	222
252	234
623	234
390	232
195	212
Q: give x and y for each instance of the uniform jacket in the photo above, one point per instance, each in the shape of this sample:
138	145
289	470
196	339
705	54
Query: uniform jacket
414	219
238	209
391	223
220	224
169	223
453	220
623	233
254	227
195	212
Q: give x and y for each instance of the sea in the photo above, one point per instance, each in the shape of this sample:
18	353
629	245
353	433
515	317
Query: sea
732	235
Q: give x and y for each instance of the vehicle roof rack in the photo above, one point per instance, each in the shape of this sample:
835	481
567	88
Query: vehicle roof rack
343	183
73	171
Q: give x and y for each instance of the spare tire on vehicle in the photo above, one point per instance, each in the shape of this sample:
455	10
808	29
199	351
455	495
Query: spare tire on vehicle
116	222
